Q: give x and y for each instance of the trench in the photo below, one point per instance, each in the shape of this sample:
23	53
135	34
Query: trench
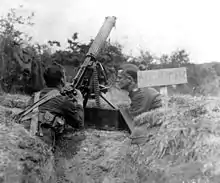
79	156
67	147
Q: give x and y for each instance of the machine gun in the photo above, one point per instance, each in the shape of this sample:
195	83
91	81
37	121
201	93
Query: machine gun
91	78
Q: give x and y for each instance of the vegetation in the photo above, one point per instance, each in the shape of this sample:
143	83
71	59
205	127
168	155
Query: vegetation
20	57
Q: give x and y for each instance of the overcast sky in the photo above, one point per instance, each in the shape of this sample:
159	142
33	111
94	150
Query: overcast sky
160	26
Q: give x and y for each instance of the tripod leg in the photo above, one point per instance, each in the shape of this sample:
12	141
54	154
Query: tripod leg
85	102
108	102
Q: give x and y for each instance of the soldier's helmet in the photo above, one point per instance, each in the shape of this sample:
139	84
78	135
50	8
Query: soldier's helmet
54	75
129	69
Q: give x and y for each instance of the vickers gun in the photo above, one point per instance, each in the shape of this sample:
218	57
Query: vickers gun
91	78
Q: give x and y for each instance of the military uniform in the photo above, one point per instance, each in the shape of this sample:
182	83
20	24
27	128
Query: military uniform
53	115
143	100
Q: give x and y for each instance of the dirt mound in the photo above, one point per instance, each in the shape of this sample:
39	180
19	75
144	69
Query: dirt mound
23	158
14	101
90	161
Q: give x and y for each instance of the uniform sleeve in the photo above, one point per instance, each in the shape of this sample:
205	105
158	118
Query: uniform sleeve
144	100
139	103
73	113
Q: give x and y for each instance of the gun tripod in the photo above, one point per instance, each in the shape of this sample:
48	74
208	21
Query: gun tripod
91	80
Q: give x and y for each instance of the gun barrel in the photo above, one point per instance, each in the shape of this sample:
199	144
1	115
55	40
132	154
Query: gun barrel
101	37
97	44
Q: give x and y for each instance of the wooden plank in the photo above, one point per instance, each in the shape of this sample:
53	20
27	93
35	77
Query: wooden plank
162	77
163	90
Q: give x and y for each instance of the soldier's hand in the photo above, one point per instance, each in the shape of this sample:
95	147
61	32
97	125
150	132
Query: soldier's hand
79	97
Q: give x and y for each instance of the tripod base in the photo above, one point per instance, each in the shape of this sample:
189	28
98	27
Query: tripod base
107	119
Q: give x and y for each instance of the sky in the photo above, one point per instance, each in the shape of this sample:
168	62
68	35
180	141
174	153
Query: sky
160	26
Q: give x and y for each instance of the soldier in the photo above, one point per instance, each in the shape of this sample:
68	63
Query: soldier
48	120
142	99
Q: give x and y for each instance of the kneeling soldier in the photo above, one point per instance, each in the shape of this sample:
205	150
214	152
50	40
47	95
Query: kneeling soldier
50	111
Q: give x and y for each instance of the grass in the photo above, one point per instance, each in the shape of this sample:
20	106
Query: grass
183	146
186	145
